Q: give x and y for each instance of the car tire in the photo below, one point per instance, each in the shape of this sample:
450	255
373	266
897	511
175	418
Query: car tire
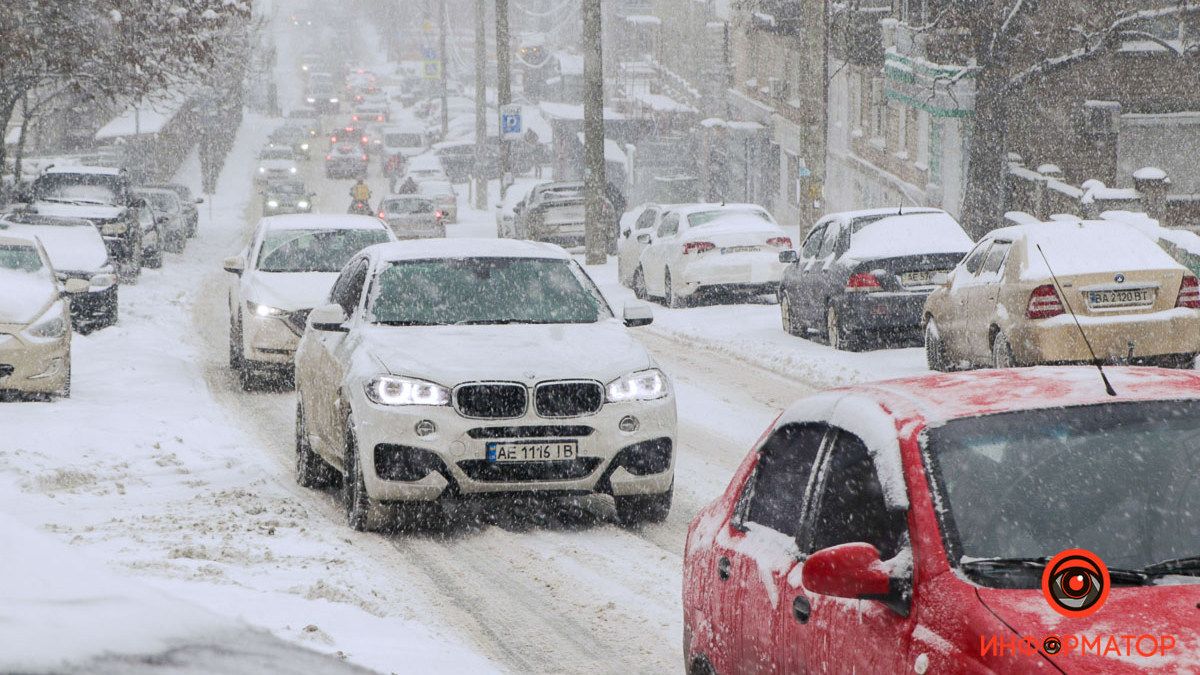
113	312
361	510
935	348
176	242
639	284
635	510
311	471
65	390
1002	356
154	260
836	336
132	268
237	359
790	325
700	666
672	299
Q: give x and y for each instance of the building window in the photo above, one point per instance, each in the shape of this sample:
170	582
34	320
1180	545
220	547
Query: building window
899	122
793	179
922	156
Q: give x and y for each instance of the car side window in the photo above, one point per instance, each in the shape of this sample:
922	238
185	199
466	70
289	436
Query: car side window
669	226
850	506
829	240
994	261
774	494
812	243
974	259
348	288
646	219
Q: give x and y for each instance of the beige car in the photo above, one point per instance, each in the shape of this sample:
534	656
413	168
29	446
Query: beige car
35	320
1111	287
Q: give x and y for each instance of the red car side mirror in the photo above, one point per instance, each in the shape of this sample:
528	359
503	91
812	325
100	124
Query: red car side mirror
847	571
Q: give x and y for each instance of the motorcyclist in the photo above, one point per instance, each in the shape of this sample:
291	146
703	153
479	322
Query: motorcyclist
408	187
360	192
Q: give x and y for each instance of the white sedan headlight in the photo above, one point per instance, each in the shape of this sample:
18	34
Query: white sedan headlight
272	204
262	169
114	227
304	146
302	204
291	169
263	310
392	390
50	325
644	385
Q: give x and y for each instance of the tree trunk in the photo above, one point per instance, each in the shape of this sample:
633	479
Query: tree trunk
595	227
20	154
7	107
983	204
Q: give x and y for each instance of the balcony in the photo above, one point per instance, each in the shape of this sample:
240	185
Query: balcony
856	36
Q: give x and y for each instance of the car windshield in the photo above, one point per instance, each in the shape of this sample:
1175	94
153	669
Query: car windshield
408	206
704	217
314	250
1120	479
486	291
286	189
19	258
403	140
78	187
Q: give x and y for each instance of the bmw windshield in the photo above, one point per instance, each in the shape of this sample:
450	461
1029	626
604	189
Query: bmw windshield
1121	480
486	291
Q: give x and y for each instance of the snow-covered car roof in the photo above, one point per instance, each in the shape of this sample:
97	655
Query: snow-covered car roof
423	162
688	209
425	249
25	218
82	168
322	221
891	210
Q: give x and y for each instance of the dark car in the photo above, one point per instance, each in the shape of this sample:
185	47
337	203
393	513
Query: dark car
295	137
866	274
307	119
104	196
351	133
191	215
286	196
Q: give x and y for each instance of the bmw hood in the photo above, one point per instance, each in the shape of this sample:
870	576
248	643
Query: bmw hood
71	248
290	291
528	353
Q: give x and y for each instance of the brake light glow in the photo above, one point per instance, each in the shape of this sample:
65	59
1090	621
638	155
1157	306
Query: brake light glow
364	139
1189	293
381	214
354	117
863	282
364	158
328	156
379	118
1044	303
781	242
698	247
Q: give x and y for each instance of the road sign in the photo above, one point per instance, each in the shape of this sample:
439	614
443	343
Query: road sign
511	125
429	53
432	70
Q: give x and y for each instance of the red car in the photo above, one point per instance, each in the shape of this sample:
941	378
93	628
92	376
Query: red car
930	525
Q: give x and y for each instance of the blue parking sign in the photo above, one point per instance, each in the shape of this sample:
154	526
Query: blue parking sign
510	121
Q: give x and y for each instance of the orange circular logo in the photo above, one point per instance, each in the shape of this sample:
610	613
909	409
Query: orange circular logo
1075	582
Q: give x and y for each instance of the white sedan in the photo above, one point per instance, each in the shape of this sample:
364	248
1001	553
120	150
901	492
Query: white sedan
732	247
284	271
459	367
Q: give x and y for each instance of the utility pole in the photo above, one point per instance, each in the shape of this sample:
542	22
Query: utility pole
481	179
503	81
442	54
596	230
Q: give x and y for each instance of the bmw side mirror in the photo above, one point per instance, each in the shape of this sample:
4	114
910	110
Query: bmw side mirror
789	256
637	314
643	238
331	318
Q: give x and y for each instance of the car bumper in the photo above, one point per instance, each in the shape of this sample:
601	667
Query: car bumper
750	270
271	339
457	452
93	305
38	367
882	311
1114	338
567	235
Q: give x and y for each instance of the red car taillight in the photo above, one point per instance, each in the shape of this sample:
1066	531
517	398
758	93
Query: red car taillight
1189	293
379	118
781	242
863	282
364	158
364	139
328	156
381	215
1044	303
698	247
354	118
333	139
439	215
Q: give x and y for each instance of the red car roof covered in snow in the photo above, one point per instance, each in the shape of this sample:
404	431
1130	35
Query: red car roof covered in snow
945	396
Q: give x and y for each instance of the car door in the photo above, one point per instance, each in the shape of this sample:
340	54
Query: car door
809	300
326	368
629	246
759	553
848	505
655	256
979	297
952	323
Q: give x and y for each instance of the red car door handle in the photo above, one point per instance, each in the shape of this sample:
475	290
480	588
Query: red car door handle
801	609
723	568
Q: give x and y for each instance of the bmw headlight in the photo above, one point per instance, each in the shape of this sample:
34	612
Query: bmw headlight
392	390
50	325
644	385
272	204
263	310
302	204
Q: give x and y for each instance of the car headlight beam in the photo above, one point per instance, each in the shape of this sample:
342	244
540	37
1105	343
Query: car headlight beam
264	310
302	204
393	390
272	204
644	385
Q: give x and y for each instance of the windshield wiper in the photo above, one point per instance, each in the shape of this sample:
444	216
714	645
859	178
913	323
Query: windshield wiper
998	566
402	322
489	322
1188	566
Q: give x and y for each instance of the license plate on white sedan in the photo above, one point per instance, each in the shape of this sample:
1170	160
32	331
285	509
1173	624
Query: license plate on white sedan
1126	297
739	249
531	451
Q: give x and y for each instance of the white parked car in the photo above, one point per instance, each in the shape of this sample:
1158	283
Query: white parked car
479	366
284	271
641	220
710	247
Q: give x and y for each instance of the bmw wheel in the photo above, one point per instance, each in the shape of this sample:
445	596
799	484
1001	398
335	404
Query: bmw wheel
639	284
361	511
311	470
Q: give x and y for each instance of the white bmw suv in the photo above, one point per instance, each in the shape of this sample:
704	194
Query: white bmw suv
457	367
